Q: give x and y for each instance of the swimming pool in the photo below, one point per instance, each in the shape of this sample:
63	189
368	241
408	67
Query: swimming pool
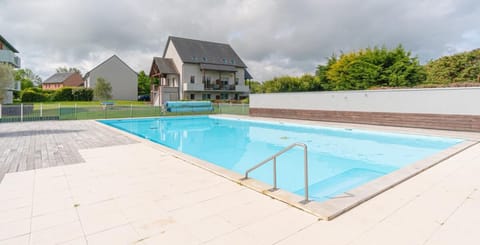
339	159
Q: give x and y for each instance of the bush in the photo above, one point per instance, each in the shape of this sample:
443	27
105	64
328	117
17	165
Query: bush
82	94
30	95
63	94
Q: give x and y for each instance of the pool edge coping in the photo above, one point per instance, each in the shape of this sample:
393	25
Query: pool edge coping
326	210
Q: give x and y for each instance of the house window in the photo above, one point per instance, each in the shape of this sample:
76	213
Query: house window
192	79
204	58
236	80
206	96
224	61
192	96
232	62
224	96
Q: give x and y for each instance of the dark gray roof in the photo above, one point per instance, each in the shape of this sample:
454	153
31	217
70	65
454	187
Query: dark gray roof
166	66
4	41
248	76
212	67
58	77
196	51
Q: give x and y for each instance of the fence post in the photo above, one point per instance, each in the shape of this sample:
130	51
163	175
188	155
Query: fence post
75	111
41	109
21	112
59	111
131	110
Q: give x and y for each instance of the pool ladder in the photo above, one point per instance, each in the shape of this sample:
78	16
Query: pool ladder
274	158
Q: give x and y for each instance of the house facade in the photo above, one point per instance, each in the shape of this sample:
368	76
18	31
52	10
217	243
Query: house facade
121	77
8	55
198	70
62	79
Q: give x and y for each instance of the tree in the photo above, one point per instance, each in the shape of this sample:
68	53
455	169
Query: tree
256	87
143	83
371	67
461	67
289	84
69	69
6	79
102	90
27	78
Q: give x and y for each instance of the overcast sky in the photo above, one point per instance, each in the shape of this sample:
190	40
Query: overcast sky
273	37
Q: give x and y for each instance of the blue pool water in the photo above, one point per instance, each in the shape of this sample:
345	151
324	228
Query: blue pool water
339	159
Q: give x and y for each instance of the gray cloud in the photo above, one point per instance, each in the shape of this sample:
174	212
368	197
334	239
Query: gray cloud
274	37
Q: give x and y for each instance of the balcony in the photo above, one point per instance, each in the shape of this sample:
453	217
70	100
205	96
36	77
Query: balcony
242	88
9	57
193	87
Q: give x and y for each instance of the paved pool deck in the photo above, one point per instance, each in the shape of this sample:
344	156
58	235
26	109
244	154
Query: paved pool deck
121	190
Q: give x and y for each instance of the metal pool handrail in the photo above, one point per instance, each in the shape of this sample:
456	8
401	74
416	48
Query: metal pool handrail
274	158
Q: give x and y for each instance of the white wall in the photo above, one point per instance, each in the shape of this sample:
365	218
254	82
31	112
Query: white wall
171	53
121	77
462	101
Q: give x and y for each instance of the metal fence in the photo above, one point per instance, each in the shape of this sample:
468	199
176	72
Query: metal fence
37	112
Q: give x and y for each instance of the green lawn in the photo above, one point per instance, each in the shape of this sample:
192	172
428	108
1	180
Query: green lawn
121	109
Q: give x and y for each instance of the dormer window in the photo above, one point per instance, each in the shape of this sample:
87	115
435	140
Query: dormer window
232	62
204	58
224	61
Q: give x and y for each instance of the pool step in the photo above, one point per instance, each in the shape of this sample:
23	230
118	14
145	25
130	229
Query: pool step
339	183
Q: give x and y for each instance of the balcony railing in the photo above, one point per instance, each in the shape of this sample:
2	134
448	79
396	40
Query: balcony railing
215	87
242	88
193	87
9	57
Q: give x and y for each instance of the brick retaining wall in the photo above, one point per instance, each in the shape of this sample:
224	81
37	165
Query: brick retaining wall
416	120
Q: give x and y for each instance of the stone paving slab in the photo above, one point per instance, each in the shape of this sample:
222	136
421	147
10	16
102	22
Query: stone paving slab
141	194
33	145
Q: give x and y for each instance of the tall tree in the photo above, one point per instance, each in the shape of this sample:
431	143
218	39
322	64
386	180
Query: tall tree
102	90
27	78
143	83
69	69
6	79
461	67
371	67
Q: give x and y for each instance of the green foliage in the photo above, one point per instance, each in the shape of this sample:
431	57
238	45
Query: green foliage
6	78
102	90
27	78
33	95
143	83
255	87
290	84
63	94
368	68
82	94
462	67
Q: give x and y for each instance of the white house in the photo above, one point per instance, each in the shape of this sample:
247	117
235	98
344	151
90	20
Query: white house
8	56
121	77
198	70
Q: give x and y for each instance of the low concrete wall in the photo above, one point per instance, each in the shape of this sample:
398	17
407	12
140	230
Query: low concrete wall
439	108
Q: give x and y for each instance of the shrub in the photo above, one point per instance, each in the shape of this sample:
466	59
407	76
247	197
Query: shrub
83	94
63	94
30	95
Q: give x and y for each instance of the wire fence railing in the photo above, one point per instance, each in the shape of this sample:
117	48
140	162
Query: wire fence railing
38	112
